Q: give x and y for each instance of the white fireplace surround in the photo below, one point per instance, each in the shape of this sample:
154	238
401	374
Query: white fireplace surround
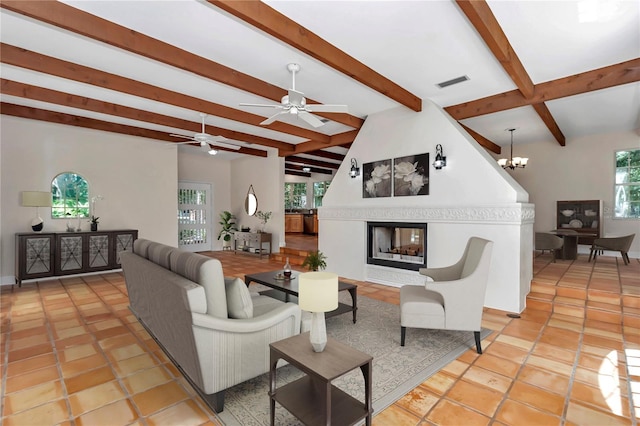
449	227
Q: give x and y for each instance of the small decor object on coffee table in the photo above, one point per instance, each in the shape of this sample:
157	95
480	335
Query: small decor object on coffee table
318	293
287	269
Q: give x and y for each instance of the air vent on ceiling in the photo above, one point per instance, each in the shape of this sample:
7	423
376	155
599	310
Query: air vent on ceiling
452	81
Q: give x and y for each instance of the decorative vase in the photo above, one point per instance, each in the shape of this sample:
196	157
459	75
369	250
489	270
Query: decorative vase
94	226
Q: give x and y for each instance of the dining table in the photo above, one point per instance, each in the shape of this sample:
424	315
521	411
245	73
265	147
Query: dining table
569	250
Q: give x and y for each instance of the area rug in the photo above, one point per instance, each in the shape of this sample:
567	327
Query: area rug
396	369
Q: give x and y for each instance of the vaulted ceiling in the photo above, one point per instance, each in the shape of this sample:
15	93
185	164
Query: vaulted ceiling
552	70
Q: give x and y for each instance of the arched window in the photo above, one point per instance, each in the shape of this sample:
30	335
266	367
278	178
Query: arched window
70	196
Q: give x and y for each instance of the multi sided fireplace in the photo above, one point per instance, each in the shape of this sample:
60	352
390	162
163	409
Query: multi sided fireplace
397	245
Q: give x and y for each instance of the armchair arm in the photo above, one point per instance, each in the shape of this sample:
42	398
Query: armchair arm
447	273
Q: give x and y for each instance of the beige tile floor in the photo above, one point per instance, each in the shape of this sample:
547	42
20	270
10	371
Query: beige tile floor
73	354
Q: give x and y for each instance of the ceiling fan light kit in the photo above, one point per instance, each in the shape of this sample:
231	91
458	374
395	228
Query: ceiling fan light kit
513	162
295	103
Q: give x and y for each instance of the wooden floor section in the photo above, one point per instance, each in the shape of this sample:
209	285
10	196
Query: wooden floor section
72	354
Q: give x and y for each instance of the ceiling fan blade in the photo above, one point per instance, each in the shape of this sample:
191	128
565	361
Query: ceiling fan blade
272	118
311	119
296	98
262	105
327	108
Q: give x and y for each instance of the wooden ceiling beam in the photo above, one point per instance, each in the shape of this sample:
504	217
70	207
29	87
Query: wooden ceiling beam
272	22
484	21
598	79
296	173
482	140
310	162
46	64
91	26
13	88
298	167
93	124
341	139
327	154
550	122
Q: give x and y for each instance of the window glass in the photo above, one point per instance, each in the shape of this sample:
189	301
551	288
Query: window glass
70	196
295	195
319	189
627	184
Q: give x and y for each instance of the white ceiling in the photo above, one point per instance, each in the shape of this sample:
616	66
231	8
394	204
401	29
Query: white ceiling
416	44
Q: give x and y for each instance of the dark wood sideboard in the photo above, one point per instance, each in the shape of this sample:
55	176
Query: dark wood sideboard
40	255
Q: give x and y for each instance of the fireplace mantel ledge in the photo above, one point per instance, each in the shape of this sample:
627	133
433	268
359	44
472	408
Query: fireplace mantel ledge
517	213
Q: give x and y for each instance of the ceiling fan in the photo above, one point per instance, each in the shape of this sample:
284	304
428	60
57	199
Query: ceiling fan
205	140
295	103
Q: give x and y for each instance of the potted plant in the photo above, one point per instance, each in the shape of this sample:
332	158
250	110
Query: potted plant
94	223
315	261
228	224
264	218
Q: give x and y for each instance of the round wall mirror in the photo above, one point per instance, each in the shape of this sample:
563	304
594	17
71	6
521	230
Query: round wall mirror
251	202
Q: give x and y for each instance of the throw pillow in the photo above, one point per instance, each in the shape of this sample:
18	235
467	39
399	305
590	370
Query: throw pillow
239	304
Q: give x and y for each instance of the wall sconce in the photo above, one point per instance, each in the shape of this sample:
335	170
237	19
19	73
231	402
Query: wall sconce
355	170
441	160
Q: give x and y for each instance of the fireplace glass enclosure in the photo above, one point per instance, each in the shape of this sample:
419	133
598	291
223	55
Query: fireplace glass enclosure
397	245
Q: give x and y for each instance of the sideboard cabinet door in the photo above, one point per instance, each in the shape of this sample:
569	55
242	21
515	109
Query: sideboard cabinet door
34	256
98	251
123	241
69	258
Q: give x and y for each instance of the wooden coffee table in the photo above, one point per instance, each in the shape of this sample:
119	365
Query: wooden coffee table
285	289
312	398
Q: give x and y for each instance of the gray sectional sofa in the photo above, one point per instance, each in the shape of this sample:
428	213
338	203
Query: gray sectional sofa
214	330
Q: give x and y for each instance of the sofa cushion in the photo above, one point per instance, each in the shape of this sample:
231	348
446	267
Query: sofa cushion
208	273
141	247
160	254
239	304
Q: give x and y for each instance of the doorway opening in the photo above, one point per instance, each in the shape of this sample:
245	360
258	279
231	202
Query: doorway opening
195	223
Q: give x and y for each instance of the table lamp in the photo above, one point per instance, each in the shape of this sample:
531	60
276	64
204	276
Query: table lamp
36	199
318	293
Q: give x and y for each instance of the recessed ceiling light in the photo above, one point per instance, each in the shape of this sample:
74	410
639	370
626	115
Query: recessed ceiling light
452	81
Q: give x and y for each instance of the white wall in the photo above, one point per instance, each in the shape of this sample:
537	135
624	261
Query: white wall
194	167
267	177
137	178
581	170
471	196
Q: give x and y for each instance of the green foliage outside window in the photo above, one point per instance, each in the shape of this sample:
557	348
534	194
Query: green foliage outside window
70	196
319	189
627	185
295	195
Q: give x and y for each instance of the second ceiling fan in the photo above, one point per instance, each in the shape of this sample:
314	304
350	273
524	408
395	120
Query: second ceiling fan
294	103
205	140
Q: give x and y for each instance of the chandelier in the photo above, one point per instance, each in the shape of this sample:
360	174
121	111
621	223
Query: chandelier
512	162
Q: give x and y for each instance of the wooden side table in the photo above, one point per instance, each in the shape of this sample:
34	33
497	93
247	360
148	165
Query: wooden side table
313	399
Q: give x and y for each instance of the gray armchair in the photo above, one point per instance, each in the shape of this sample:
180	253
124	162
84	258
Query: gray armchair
621	244
454	299
546	241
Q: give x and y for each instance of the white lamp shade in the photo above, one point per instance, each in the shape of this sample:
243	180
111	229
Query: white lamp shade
36	199
502	162
318	291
